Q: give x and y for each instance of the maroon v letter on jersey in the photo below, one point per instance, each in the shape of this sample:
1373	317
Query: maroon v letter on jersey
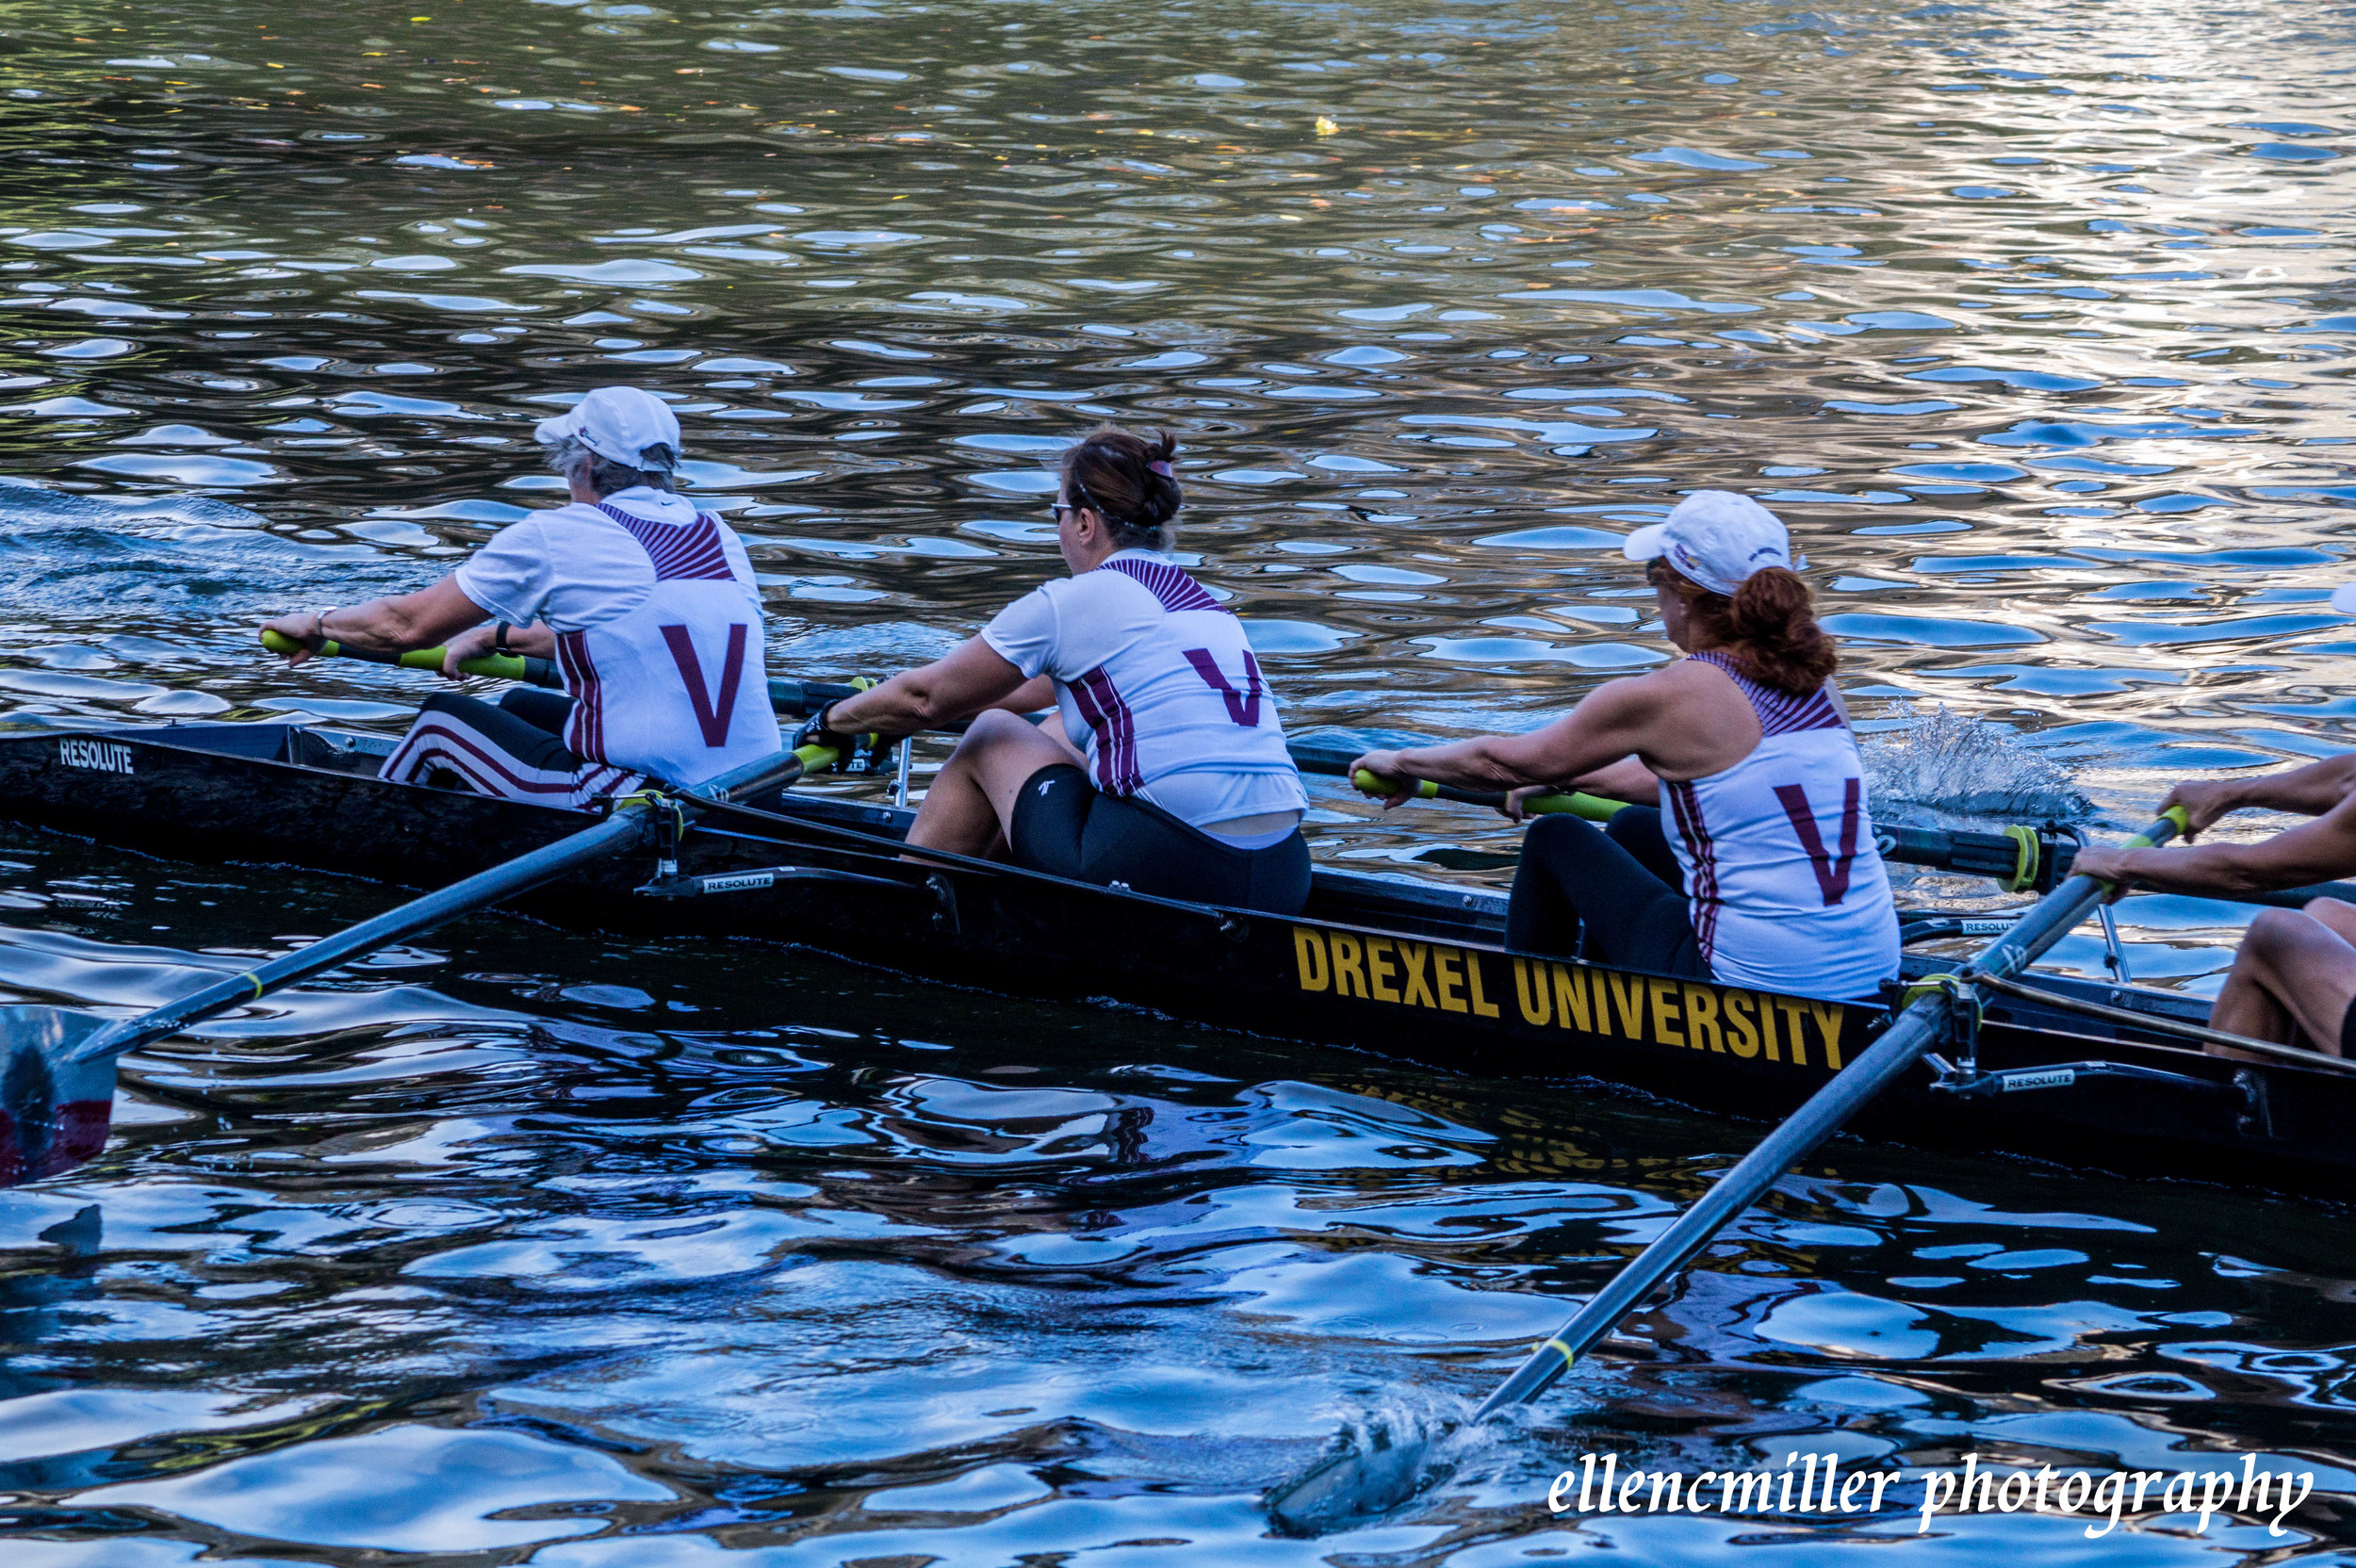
1832	877
1244	705
710	717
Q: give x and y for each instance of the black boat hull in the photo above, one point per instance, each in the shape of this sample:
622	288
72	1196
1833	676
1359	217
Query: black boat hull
1408	973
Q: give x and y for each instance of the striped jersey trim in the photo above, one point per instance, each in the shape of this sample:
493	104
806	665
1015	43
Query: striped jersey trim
1779	714
1166	582
1685	804
680	551
1115	728
584	733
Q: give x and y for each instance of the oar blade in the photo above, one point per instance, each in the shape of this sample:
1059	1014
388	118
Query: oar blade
1352	1487
53	1112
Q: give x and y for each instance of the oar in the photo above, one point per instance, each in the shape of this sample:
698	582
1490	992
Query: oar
2020	859
1333	762
504	666
56	1085
1353	1484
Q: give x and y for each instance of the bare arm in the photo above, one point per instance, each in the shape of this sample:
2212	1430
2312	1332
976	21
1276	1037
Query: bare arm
2308	792
1626	779
531	642
396	624
1601	731
973	678
1033	694
2320	851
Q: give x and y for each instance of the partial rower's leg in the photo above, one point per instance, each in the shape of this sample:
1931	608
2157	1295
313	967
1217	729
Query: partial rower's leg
970	806
2295	967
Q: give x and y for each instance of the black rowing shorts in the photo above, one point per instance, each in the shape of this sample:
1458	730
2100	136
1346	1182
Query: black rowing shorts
1064	826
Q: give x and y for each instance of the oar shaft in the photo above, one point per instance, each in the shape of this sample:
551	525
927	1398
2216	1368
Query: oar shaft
537	672
627	826
499	883
1916	1030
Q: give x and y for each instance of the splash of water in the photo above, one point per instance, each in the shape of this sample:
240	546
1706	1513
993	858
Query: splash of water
1953	763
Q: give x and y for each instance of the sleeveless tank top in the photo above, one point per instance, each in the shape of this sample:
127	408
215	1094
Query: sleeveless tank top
678	687
1183	714
1158	686
1785	887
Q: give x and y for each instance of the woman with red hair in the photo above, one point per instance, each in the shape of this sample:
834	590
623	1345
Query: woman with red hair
1759	867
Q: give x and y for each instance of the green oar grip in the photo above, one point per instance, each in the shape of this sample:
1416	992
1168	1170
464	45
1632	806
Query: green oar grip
1594	807
1577	804
1368	784
505	667
500	667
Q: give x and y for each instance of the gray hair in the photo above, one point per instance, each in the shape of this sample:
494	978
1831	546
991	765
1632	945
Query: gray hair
572	457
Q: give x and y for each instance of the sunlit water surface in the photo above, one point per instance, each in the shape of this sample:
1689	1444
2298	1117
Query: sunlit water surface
523	1246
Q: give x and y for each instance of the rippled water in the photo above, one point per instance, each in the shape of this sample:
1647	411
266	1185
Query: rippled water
2031	321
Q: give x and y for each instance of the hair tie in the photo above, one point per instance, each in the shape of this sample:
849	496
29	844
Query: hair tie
1162	468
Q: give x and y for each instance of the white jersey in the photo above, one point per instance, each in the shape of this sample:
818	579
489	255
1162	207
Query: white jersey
1161	686
658	630
1786	888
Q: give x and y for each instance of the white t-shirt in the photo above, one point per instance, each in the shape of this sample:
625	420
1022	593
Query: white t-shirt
1134	648
574	569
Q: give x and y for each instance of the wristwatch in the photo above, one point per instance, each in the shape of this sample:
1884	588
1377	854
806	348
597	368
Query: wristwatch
499	638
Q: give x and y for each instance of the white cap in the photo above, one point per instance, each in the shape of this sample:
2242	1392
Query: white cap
2343	598
1715	537
618	423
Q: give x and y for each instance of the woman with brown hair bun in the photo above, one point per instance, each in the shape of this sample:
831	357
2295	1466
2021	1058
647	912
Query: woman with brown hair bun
1759	867
1178	783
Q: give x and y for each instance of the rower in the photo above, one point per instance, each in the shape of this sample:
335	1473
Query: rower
2295	973
1181	786
648	607
1766	873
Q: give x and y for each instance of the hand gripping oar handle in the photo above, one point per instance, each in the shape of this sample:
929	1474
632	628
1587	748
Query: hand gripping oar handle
1333	762
1916	1030
537	672
624	827
1576	803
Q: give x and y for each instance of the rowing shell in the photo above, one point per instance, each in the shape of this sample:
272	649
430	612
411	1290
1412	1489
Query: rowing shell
1403	971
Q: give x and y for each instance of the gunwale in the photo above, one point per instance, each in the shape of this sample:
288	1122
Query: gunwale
305	797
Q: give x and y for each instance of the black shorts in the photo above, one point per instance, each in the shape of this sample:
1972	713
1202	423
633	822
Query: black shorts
1608	894
1064	826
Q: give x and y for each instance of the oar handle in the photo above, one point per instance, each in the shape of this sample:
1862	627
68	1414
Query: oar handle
503	666
1576	803
1917	1029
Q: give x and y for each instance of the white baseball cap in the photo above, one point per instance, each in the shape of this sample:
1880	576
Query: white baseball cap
618	423
1715	537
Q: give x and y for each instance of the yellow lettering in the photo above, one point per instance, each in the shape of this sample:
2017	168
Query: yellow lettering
1481	1006
1411	959
1570	999
1445	978
1793	1035
1380	970
1346	980
1309	950
1629	999
1741	1024
1538	1009
1828	1016
1701	1016
1665	1012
